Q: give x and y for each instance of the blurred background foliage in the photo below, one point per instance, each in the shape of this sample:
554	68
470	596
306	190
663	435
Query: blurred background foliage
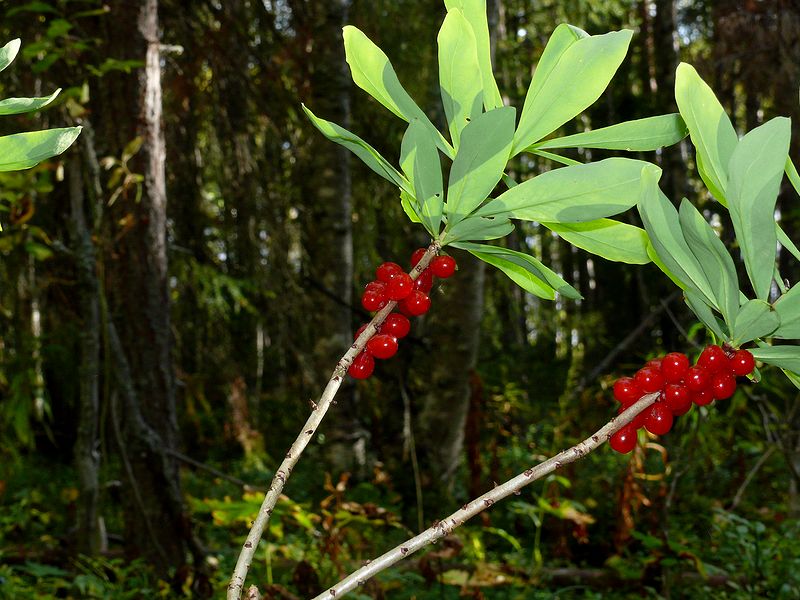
271	232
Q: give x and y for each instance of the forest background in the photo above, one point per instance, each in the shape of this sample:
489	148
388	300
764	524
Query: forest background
177	287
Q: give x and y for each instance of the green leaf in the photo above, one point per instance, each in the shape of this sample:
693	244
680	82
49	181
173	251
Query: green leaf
756	169
710	128
639	135
756	319
8	53
419	160
38	251
788	309
475	13
479	164
703	311
409	204
16	106
610	239
26	150
554	157
360	148
713	258
786	242
524	270
573	194
577	74
785	357
662	225
478	228
373	73
459	74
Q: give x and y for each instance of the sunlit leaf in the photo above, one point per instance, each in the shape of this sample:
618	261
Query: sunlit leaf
572	194
711	130
788	309
575	75
8	53
478	229
459	75
661	222
713	258
475	13
524	270
419	159
785	357
26	150
16	106
479	164
361	149
373	73
646	134
756	319
756	169
610	239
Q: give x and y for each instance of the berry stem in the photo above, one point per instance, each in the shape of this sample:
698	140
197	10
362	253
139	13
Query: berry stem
319	409
444	527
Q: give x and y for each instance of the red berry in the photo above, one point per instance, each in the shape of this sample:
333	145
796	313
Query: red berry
360	331
697	379
362	366
396	325
416	304
683	410
674	367
677	398
402	309
713	358
400	286
649	380
382	346
387	271
658	419
626	391
373	301
443	266
424	282
723	385
417	256
376	286
702	397
654	364
742	363
624	440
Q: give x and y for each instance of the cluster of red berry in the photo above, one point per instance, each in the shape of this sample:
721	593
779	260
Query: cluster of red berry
679	386
394	284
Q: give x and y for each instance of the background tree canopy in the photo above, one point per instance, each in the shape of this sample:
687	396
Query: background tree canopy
178	285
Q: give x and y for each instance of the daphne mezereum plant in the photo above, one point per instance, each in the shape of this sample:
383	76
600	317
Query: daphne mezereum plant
574	200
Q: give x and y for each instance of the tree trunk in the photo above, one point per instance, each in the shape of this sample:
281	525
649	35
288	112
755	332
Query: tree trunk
327	228
454	339
90	535
140	307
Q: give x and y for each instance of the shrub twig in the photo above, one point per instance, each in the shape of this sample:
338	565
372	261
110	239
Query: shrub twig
444	527
319	409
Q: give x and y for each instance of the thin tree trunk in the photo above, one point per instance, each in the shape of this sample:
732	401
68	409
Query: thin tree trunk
328	238
90	537
141	313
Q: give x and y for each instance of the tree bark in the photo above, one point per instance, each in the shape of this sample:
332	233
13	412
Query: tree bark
327	226
90	538
140	307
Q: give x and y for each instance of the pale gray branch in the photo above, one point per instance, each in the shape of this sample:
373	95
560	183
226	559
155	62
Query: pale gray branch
478	505
318	411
